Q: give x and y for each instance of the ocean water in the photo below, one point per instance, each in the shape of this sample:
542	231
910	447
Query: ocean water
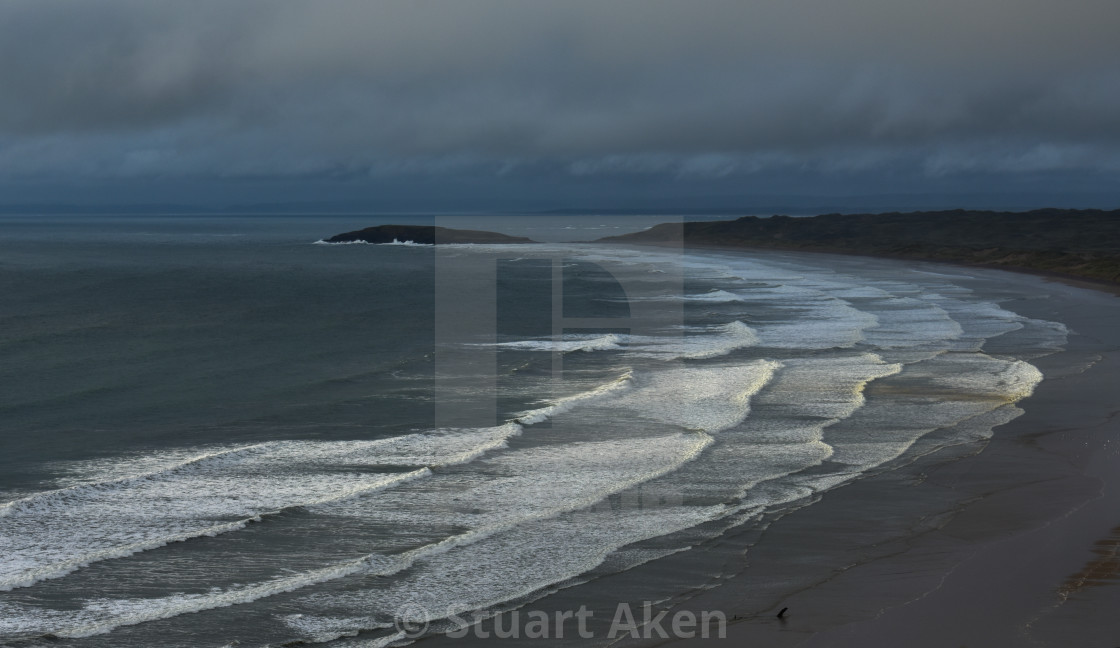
220	431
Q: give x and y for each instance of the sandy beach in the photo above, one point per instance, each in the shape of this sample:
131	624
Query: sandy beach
1031	559
1008	543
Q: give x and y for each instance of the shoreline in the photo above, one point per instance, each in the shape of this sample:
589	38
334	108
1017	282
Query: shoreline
966	546
1068	242
1003	570
1101	285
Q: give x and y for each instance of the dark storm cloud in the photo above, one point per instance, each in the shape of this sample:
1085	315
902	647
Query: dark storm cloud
710	87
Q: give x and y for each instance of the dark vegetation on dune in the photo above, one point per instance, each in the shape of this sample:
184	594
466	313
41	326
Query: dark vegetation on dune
1075	243
426	234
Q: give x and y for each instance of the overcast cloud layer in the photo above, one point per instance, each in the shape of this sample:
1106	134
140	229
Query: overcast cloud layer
140	89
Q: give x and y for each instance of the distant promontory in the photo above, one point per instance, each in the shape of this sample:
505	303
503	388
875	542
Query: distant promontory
1082	243
424	234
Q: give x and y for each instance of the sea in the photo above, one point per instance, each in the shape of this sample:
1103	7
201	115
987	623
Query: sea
222	431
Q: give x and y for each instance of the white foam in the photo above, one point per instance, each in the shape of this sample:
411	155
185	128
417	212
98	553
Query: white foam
977	375
393	242
905	322
703	343
531	482
707	398
509	491
829	388
711	398
813	319
1032	339
715	296
408	243
580	343
938	393
51	534
175	463
800	403
979	320
99	615
711	343
566	403
501	568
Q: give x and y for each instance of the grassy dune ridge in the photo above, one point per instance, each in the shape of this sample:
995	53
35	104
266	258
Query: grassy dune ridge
1083	243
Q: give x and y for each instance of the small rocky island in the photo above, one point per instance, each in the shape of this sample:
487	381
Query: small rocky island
423	234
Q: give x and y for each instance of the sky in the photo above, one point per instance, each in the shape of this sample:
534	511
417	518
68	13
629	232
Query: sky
518	104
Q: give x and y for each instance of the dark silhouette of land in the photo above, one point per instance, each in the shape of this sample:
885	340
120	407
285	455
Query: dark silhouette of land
426	234
1082	243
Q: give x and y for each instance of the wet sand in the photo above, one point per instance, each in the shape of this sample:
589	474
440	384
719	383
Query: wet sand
1031	559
